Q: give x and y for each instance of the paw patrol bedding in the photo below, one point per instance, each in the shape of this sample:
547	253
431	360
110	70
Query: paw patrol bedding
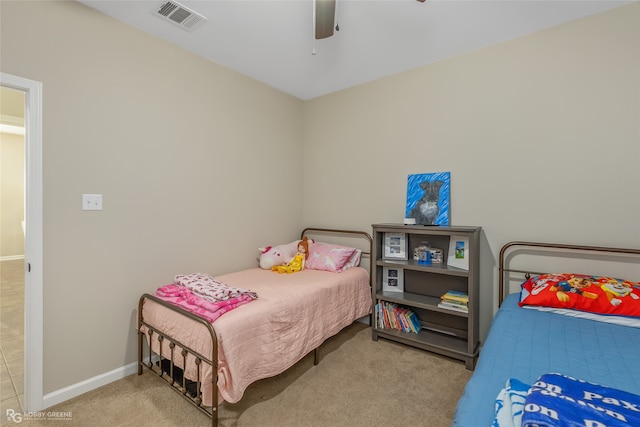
526	344
562	401
556	400
594	294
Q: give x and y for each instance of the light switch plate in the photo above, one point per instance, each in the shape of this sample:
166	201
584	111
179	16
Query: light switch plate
92	202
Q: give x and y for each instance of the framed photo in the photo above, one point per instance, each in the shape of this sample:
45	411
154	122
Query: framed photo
392	279
395	246
428	198
459	252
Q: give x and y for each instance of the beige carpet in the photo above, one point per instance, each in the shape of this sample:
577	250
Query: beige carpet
358	382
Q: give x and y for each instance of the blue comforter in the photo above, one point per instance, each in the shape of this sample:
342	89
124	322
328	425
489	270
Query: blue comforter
526	344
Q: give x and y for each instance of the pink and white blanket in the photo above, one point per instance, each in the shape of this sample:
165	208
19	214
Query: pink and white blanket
203	295
207	287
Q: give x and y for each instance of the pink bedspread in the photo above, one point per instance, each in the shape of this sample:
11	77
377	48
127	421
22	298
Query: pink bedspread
293	315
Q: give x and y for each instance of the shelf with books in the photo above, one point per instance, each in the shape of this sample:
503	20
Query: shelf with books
453	307
414	265
448	326
418	300
455	300
413	299
393	316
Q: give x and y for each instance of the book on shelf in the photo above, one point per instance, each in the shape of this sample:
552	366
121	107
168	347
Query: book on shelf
454	307
456	296
455	300
393	316
455	303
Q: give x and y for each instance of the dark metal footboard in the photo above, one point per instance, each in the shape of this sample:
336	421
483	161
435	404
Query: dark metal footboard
164	364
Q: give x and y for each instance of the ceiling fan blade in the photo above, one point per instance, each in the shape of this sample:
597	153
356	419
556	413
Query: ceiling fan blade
325	17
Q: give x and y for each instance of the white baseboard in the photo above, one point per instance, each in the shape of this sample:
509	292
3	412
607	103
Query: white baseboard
85	386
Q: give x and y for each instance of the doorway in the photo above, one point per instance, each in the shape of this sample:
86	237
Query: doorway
32	264
12	239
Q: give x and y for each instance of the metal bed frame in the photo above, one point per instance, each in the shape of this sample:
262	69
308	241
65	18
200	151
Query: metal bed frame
174	376
503	271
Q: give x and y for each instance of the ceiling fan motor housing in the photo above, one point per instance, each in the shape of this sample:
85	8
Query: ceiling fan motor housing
325	18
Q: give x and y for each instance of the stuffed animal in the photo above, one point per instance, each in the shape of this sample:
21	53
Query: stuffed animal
277	255
298	260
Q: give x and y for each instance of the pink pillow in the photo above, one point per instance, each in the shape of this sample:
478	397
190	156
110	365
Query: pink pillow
329	257
354	261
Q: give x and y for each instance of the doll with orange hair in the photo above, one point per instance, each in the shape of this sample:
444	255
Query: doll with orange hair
297	262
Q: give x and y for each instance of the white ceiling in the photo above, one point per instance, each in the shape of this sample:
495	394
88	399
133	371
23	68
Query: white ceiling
272	41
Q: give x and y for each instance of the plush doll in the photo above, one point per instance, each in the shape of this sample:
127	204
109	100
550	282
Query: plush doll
277	255
298	260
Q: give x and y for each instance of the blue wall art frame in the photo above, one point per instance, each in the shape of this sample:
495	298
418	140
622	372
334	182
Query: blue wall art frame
429	198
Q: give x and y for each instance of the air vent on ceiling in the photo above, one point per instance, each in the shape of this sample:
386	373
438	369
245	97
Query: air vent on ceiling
180	15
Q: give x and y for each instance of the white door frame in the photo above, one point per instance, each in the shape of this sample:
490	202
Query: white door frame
33	278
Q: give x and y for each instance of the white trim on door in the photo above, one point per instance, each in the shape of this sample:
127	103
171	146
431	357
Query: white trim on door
33	280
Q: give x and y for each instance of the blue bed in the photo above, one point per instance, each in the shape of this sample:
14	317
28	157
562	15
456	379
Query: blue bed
526	343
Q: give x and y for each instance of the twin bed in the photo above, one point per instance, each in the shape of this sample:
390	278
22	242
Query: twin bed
208	363
523	344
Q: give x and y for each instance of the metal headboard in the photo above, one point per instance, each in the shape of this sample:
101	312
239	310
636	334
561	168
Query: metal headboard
503	270
353	233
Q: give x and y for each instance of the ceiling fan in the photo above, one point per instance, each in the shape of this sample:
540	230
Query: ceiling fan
325	16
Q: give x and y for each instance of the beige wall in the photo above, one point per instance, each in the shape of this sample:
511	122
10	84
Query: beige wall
198	164
541	136
12	193
198	167
11	175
